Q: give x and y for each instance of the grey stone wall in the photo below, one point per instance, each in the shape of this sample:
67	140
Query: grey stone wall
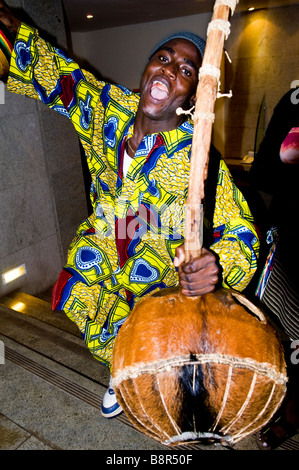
42	195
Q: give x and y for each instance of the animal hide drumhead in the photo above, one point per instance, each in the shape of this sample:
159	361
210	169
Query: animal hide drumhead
206	369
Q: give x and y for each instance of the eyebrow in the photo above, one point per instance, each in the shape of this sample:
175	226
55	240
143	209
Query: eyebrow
172	51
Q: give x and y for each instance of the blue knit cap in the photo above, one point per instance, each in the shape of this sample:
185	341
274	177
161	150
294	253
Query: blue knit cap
196	40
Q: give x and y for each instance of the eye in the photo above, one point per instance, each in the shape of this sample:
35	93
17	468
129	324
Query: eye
162	58
186	71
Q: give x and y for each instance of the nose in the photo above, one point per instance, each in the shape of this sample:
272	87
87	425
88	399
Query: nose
170	69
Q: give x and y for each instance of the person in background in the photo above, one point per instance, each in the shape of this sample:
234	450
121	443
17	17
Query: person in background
138	149
275	172
289	150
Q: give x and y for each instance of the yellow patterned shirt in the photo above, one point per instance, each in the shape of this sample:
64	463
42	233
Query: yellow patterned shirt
125	249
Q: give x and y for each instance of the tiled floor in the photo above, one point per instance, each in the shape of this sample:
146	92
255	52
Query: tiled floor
51	388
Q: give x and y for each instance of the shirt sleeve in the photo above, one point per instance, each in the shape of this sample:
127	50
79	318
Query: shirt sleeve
236	239
46	73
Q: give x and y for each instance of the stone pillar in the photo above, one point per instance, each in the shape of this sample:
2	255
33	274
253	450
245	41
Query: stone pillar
42	194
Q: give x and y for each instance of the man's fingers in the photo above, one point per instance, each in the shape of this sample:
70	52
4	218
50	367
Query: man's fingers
179	256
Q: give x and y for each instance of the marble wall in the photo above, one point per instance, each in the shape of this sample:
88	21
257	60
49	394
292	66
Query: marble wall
264	49
42	194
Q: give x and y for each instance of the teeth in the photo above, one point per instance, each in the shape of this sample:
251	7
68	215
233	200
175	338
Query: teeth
160	83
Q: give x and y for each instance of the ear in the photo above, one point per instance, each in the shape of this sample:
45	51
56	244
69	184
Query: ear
193	100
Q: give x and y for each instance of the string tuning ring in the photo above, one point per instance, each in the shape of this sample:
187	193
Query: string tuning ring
180	111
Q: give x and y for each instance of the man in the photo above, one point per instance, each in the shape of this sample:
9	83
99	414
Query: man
138	150
275	172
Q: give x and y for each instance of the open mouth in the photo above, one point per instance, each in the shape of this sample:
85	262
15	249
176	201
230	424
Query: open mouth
159	91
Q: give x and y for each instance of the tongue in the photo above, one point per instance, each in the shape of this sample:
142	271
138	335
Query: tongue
159	92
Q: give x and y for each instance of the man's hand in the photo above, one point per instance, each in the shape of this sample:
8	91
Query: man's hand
8	18
198	276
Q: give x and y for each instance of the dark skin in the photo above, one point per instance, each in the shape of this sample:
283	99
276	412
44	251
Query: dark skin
174	69
176	66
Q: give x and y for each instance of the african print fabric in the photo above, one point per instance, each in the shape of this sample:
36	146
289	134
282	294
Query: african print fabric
6	45
278	288
125	249
6	41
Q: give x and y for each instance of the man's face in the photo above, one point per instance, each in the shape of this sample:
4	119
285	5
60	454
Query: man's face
169	80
